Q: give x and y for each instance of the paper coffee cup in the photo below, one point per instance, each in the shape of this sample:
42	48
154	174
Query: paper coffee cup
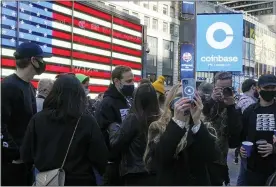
248	147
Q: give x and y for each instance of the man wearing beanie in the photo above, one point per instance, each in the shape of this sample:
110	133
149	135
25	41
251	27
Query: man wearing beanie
160	90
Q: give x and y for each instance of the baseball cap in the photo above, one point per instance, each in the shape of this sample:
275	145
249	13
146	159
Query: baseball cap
267	80
30	49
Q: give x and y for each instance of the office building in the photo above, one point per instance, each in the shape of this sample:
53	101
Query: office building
162	27
255	8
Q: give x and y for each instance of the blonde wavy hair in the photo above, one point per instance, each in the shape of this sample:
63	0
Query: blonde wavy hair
157	128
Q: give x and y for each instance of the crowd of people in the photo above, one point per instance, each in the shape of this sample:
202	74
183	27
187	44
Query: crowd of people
144	136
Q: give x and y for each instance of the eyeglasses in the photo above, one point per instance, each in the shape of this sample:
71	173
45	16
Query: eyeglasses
73	74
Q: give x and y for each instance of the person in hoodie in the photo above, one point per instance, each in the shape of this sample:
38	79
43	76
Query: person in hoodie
131	138
43	89
259	124
17	108
249	97
113	109
85	84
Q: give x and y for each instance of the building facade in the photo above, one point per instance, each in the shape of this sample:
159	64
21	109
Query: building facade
162	27
255	8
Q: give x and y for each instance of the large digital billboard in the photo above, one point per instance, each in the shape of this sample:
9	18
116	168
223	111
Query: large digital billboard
219	42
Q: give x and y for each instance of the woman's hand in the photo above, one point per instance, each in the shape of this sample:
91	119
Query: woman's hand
180	109
196	109
274	139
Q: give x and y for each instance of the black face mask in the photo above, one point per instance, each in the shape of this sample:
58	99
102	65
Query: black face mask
127	90
268	95
41	68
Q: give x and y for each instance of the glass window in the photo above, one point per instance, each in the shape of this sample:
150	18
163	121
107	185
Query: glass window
135	14
154	24
136	2
126	11
167	63
146	5
172	12
152	56
172	29
151	60
176	30
112	6
172	47
154	8
100	2
165	9
168	49
147	21
165	27
252	52
247	50
152	42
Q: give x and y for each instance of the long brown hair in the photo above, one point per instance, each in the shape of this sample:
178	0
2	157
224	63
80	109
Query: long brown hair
145	106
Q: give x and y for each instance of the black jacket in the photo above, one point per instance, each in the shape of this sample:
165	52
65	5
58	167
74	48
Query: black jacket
18	105
189	168
111	110
47	140
263	130
129	141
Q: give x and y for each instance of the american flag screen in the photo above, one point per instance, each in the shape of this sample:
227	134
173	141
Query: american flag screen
82	39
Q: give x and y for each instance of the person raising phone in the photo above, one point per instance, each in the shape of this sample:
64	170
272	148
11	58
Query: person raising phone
179	145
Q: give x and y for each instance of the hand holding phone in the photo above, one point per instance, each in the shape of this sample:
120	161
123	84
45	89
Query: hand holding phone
180	108
196	109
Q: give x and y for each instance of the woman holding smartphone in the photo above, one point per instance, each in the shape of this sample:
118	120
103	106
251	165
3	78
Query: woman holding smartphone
179	144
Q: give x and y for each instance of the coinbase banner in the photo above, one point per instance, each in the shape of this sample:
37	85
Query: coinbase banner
186	61
219	42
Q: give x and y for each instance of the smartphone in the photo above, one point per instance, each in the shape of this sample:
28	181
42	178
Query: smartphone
188	88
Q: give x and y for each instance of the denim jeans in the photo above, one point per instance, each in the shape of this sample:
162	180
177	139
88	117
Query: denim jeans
242	178
99	178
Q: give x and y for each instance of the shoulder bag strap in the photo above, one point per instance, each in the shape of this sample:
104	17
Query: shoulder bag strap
70	143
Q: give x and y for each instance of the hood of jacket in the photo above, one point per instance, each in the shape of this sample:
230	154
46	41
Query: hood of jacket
113	92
